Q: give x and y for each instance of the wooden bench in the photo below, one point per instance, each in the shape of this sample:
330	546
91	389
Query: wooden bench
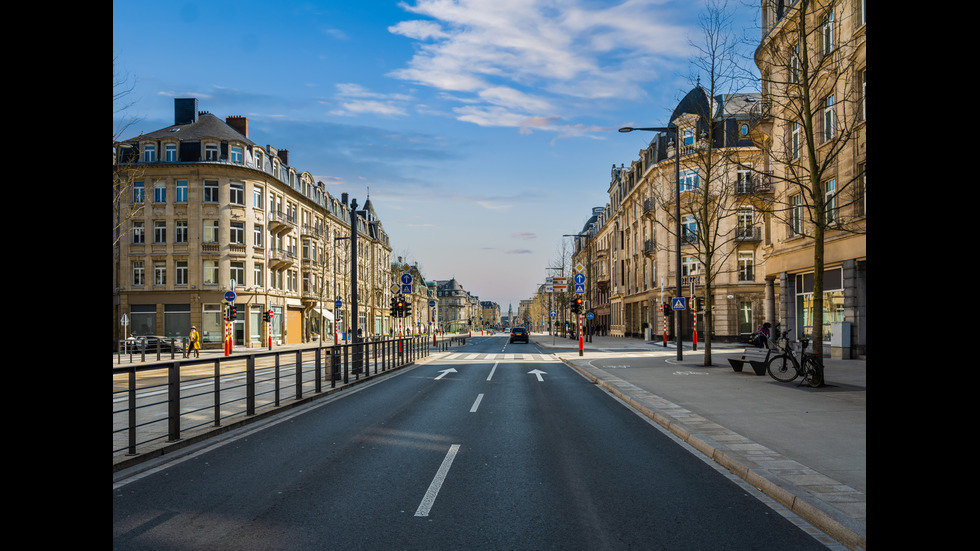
755	357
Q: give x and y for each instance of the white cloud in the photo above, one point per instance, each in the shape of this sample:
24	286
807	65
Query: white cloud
522	58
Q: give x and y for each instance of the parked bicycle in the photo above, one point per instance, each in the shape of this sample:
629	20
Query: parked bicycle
785	367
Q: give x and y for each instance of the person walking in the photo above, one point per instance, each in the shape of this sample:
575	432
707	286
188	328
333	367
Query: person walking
764	335
195	344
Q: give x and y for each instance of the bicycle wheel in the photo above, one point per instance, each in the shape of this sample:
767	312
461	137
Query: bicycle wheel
782	368
814	371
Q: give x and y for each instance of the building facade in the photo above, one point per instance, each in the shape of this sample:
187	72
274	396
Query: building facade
632	243
202	211
817	154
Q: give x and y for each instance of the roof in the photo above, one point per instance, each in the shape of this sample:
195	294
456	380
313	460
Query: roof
206	126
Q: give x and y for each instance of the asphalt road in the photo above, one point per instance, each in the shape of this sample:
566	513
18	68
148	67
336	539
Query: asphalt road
492	452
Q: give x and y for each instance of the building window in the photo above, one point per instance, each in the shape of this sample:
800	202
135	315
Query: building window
689	179
238	233
258	160
830	200
149	153
258	271
827	33
689	229
171	153
210	272
139	193
160	192
689	266
746	265
210	191
139	233
159	231
795	141
236	155
210	152
210	231
138	273
794	64
828	119
180	231
796	215
237	193
257	197
238	273
180	269
745	222
159	273
257	236
181	191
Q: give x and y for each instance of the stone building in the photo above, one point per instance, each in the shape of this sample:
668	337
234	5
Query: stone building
203	211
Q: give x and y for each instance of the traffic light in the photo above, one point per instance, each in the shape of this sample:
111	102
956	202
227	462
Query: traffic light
666	309
407	310
393	310
399	307
232	312
265	316
577	305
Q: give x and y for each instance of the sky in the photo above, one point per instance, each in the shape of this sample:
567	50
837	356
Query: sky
482	131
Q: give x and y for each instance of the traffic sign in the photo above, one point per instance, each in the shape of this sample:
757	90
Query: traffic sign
432	304
554	314
579	288
678	303
230	296
406	279
338	303
579	267
407	289
590	315
579	278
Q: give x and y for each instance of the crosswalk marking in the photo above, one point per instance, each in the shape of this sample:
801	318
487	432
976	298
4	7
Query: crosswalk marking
500	357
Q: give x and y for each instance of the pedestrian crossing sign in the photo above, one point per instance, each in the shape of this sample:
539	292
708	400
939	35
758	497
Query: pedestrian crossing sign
678	303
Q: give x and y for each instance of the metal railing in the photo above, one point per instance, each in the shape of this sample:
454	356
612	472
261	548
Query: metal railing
158	404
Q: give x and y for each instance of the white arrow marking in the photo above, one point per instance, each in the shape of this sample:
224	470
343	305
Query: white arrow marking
538	373
445	372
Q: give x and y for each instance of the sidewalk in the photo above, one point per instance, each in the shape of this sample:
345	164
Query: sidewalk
804	447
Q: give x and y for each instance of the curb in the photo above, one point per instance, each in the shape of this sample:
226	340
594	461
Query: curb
831	521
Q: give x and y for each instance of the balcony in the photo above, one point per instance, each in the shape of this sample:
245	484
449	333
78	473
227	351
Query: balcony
751	233
649	248
281	222
280	258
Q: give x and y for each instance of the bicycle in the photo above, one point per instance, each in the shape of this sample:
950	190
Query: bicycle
786	368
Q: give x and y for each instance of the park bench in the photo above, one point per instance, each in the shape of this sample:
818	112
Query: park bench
757	358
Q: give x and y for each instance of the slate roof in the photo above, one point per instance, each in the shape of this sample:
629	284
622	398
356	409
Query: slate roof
206	126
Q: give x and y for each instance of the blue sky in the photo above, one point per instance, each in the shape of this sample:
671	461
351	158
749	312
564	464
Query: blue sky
483	130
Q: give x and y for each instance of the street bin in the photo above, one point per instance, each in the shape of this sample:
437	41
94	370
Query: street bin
840	340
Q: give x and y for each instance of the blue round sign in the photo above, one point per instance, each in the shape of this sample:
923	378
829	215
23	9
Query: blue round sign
230	296
338	303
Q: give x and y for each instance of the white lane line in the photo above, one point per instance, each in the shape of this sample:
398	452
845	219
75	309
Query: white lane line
490	376
433	491
476	404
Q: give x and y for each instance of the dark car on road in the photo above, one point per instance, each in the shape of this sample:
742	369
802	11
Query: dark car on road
153	342
518	334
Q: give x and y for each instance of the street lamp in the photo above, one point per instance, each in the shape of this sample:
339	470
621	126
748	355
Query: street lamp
677	216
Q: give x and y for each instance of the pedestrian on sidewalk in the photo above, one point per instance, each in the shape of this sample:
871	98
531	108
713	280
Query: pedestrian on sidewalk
764	335
195	344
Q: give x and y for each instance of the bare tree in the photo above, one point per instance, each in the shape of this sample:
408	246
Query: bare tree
125	171
715	212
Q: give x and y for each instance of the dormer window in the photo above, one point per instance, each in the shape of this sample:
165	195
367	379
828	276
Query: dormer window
210	152
149	153
236	154
171	153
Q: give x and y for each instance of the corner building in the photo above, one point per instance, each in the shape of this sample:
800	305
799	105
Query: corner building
203	210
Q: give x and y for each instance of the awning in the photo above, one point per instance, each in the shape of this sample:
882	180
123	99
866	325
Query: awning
326	313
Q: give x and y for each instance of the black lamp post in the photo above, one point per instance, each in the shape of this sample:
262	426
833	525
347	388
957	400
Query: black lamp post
677	216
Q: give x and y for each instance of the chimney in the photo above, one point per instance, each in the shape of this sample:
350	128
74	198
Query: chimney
283	155
240	124
185	110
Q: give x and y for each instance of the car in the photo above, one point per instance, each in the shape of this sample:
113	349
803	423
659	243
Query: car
153	342
518	334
